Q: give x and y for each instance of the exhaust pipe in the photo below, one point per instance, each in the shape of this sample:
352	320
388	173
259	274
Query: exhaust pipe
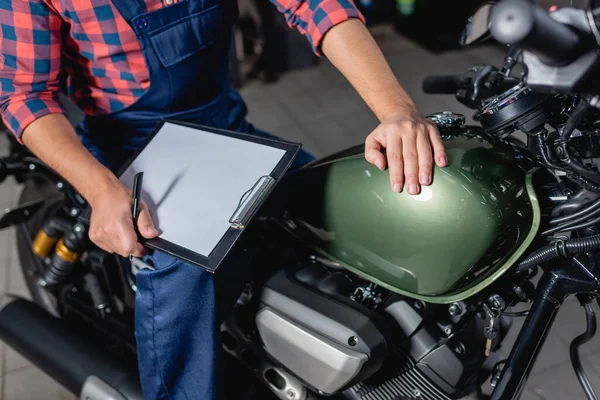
69	359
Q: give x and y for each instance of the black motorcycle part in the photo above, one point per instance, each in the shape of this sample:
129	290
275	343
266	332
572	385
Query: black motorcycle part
448	355
97	293
67	358
561	52
406	382
3	171
532	28
587	145
20	214
516	108
65	257
557	283
560	248
442	84
327	318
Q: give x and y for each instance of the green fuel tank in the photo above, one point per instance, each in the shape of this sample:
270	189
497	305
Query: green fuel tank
445	244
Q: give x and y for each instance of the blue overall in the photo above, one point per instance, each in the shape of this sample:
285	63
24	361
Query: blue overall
186	47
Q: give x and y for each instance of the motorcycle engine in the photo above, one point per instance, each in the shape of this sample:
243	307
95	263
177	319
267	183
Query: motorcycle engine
337	333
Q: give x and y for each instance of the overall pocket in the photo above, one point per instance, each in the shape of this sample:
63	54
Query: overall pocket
182	37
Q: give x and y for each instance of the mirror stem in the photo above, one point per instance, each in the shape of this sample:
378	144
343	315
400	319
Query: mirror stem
511	59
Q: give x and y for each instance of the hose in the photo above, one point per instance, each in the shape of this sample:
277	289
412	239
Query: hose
590	331
572	226
560	248
516	314
565	135
568	218
548	163
574	120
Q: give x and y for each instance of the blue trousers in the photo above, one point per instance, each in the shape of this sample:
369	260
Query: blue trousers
177	330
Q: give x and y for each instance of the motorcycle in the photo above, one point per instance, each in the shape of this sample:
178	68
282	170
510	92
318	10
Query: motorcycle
353	291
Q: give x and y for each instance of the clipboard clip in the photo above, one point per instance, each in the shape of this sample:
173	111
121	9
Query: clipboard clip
249	201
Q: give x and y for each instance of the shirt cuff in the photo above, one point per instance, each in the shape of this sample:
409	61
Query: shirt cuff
328	14
19	113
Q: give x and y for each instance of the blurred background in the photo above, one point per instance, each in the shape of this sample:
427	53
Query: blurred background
297	96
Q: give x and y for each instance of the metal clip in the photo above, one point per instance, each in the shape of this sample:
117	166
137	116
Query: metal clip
249	201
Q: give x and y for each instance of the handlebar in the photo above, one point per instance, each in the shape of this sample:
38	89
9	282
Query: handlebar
441	84
531	28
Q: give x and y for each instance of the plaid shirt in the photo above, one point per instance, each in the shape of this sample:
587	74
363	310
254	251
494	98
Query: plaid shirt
101	54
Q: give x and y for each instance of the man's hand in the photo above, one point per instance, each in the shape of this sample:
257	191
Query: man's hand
408	141
111	226
406	137
54	141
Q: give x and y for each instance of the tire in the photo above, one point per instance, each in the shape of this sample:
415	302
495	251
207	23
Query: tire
35	189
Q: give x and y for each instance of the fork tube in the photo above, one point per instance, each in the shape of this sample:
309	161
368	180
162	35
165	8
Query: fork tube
556	284
527	347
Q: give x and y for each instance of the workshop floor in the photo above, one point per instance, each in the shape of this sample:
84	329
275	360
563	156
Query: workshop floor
319	108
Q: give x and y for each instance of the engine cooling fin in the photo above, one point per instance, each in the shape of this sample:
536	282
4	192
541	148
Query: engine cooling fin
404	382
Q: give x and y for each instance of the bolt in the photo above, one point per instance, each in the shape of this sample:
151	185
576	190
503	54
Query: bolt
59	185
460	349
78	228
448	331
291	394
31	167
74	212
417	393
418	305
353	341
497	302
454	309
42	283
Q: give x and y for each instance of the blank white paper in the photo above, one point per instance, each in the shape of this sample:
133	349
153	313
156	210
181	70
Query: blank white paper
194	180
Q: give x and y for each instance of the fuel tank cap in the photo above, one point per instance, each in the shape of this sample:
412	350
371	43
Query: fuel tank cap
447	119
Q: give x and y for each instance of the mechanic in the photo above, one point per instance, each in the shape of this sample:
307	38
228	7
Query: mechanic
128	63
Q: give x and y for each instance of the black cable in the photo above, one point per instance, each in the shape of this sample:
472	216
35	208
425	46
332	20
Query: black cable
546	161
560	248
516	314
574	120
579	213
590	331
584	182
572	226
567	158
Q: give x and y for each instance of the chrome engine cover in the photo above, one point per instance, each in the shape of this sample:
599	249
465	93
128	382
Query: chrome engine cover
326	341
326	365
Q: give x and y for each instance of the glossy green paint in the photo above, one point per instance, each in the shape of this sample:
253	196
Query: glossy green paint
445	244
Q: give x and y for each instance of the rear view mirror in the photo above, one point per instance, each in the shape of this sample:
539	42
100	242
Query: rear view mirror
478	25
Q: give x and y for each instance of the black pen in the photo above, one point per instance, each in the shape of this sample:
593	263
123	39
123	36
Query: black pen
136	201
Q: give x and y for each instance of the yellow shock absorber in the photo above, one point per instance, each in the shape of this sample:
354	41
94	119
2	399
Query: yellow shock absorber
43	243
64	253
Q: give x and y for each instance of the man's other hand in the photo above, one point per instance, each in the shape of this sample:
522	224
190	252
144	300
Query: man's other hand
407	144
111	225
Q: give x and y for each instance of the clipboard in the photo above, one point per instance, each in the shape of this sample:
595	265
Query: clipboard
204	185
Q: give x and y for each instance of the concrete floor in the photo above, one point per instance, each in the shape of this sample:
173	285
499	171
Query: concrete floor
319	108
